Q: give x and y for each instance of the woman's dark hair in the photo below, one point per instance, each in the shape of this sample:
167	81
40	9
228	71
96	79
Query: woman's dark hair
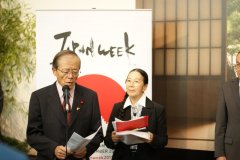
60	54
142	72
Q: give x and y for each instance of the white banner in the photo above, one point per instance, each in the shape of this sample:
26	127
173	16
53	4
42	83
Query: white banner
109	42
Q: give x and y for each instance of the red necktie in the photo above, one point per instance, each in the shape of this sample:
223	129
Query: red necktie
69	115
69	110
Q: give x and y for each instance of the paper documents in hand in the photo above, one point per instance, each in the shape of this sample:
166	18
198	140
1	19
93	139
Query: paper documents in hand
131	130
134	136
76	141
140	122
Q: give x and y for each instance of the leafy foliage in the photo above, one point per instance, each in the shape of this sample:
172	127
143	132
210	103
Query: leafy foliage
17	47
232	6
233	26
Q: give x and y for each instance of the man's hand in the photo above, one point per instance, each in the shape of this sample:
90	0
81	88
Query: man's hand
81	153
60	152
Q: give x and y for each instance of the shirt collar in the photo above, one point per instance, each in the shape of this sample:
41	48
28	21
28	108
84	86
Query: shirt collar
60	92
140	102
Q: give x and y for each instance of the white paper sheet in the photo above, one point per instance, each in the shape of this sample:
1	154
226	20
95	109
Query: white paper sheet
76	141
134	136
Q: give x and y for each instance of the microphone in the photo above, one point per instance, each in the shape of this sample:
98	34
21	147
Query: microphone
66	93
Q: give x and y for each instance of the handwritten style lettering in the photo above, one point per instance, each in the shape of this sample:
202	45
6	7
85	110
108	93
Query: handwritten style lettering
113	51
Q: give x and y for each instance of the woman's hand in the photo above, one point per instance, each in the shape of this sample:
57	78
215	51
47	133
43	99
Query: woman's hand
116	138
150	137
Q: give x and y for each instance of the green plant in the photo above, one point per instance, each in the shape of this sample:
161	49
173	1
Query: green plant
233	29
17	47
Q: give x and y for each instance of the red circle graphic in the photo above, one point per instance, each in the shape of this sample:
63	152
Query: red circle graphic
108	90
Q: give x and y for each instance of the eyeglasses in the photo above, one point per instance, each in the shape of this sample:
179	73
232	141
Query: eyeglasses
134	82
65	72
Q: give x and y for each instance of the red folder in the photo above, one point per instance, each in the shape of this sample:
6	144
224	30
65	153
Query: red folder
140	122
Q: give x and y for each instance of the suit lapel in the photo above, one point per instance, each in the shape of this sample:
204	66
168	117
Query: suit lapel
235	90
55	104
127	114
78	101
147	110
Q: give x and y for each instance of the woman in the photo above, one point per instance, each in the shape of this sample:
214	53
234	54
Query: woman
134	105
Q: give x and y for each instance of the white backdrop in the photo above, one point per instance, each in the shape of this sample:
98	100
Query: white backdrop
109	43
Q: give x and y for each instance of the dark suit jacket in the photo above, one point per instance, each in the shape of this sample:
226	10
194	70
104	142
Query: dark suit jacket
156	125
227	130
47	124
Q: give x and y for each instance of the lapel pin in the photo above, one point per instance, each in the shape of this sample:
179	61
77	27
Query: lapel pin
78	108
